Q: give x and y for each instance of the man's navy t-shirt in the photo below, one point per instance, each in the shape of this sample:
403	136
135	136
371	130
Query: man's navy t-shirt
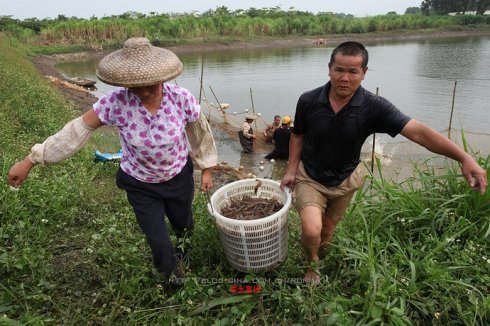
332	141
281	139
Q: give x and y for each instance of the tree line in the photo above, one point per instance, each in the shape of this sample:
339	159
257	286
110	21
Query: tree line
444	7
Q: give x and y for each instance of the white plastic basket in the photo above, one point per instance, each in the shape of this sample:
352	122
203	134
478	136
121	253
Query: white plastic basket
253	245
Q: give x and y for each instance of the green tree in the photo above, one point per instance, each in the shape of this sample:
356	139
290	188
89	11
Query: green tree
62	18
465	4
412	11
32	23
7	20
481	6
443	7
222	11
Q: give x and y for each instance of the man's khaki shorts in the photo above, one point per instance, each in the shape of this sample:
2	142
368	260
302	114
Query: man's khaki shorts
333	201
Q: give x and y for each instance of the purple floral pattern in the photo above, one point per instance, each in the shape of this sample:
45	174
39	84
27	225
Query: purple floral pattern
154	146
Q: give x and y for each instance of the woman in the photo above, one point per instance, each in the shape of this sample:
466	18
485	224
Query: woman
153	118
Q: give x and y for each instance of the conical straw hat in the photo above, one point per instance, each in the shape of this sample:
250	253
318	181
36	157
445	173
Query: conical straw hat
138	64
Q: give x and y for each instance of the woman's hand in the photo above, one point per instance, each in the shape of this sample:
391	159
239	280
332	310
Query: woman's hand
19	172
206	180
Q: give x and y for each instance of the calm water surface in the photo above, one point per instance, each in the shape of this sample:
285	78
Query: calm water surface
417	76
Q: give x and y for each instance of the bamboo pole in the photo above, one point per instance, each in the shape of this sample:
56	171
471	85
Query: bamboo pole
202	73
253	110
202	67
207	102
219	104
374	142
452	109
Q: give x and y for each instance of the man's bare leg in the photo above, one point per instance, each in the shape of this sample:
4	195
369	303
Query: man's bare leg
329	224
311	224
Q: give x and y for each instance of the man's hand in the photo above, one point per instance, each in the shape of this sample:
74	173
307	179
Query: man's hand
475	175
289	180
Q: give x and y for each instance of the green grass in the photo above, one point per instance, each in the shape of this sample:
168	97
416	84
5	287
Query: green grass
71	253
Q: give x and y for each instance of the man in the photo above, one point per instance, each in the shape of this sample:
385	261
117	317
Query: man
331	124
281	139
269	130
246	134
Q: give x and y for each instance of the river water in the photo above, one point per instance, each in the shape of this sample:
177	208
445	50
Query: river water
423	78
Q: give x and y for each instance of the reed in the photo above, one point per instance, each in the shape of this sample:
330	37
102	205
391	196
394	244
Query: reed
165	29
373	153
452	110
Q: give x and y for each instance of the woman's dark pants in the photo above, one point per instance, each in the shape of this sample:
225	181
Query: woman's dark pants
151	202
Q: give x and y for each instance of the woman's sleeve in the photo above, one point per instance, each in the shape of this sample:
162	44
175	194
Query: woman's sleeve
62	145
203	148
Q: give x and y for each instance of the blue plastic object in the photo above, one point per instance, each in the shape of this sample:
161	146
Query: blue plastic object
105	157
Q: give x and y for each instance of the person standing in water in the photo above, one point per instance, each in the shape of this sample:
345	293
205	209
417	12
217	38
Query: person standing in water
246	134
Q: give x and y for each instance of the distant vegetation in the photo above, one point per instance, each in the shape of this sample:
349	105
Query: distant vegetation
444	7
222	24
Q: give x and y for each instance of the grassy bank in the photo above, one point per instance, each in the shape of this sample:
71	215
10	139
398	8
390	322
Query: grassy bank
415	253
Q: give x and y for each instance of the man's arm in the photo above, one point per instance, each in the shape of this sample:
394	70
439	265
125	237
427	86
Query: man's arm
295	149
437	143
269	127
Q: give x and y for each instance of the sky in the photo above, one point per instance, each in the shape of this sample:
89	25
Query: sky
40	9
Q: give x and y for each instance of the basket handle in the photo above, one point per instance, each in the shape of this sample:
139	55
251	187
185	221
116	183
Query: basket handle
209	201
